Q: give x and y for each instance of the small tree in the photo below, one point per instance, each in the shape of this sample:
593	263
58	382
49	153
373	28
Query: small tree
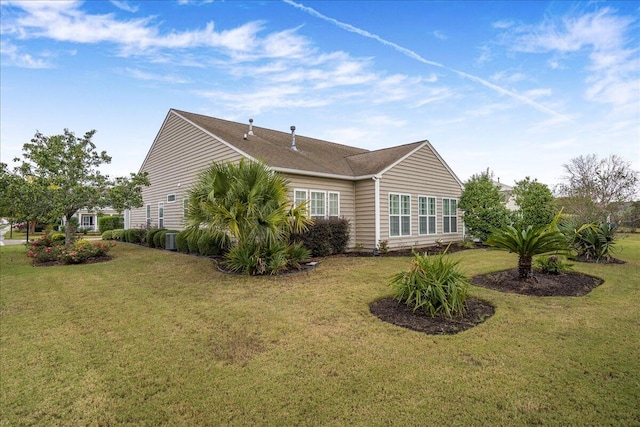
126	192
529	241
63	171
595	189
535	202
483	206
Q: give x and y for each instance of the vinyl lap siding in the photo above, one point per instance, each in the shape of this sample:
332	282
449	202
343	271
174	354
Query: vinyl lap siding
421	174
178	154
345	188
365	229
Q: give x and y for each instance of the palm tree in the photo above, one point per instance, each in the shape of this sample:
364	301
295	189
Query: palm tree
245	205
529	241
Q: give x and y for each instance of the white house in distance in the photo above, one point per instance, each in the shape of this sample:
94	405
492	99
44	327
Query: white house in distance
89	219
406	195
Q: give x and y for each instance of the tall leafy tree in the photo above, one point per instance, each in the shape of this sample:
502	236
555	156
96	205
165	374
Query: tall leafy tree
64	170
483	205
595	189
126	192
535	202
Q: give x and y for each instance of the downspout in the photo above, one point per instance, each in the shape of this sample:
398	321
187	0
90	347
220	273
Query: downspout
376	183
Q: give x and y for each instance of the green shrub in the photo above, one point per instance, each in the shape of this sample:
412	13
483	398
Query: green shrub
107	235
433	285
110	223
255	259
150	235
552	264
192	237
209	246
181	242
592	242
118	234
326	236
134	235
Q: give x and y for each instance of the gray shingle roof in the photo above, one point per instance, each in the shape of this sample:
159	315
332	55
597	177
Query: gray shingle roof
313	155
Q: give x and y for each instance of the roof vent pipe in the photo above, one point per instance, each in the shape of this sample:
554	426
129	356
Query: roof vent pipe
293	138
250	127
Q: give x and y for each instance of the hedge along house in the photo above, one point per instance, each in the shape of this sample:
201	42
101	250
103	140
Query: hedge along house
405	195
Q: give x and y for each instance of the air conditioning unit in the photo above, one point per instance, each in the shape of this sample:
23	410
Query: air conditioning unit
170	241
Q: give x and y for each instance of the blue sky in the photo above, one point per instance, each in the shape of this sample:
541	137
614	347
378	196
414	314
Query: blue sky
517	87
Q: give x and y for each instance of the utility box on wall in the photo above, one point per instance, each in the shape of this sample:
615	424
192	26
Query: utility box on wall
170	241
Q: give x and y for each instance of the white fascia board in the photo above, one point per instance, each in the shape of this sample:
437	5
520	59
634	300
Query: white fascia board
320	174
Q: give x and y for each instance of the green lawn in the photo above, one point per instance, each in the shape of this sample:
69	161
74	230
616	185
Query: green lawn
157	338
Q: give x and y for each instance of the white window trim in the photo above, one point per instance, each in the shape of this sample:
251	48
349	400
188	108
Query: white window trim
329	193
185	209
160	205
174	198
400	215
324	193
451	215
306	196
435	215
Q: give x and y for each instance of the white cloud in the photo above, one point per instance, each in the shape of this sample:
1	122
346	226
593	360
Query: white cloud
439	35
123	5
16	58
143	75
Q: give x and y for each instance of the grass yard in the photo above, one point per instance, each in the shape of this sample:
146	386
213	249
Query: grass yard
156	338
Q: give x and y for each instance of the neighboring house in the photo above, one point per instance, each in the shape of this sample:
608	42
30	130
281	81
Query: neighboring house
507	191
406	195
89	219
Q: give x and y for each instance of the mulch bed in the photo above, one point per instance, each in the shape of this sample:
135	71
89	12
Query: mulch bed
93	260
569	284
392	311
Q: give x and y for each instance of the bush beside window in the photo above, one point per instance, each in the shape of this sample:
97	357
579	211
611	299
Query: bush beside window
110	223
326	236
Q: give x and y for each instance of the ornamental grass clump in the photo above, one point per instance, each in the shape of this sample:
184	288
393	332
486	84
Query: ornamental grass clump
433	285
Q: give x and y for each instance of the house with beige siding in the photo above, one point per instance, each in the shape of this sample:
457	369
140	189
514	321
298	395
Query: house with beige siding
406	195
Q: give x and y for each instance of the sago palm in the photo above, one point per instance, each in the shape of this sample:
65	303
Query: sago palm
528	242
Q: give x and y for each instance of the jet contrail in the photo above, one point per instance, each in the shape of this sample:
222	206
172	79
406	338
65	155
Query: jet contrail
419	58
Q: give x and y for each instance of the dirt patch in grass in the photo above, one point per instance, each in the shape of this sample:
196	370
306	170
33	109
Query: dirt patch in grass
392	311
569	284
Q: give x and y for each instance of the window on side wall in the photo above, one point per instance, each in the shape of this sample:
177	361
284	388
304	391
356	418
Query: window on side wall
318	204
161	215
148	216
171	198
334	205
399	215
427	215
299	197
449	215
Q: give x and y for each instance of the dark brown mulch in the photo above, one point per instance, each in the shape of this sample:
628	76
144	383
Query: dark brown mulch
570	284
392	311
93	260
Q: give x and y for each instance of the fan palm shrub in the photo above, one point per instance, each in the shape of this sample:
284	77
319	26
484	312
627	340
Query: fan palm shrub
433	284
245	207
528	242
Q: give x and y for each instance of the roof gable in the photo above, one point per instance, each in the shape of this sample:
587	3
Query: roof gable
313	156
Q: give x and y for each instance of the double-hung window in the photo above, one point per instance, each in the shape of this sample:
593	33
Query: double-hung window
334	204
185	209
148	217
399	215
426	215
161	215
449	215
318	204
299	197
